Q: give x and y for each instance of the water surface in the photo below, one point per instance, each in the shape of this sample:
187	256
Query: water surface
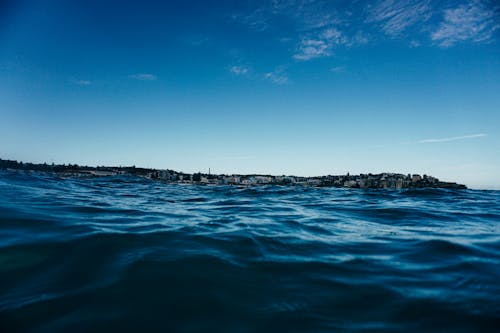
131	255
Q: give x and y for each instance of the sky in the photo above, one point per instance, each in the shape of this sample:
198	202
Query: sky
300	87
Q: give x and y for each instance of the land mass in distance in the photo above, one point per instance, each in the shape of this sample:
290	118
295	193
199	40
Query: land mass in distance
380	180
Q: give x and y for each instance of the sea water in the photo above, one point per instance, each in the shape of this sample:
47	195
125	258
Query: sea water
126	254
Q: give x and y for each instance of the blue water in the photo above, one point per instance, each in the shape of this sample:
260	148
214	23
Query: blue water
130	255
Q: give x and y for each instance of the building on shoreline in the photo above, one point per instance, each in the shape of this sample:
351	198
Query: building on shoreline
364	181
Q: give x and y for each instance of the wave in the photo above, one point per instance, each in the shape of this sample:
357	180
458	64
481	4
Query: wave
124	253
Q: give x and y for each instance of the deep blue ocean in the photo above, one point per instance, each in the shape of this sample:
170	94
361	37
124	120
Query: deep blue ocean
125	254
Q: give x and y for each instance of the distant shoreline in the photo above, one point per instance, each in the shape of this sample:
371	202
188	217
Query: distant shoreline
381	180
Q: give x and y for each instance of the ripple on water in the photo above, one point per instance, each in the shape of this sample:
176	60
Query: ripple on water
124	253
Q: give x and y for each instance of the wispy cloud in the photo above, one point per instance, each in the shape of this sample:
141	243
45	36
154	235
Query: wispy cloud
312	48
285	39
471	22
414	44
395	16
319	27
257	20
454	138
143	77
315	14
359	38
305	14
239	70
196	40
278	76
337	69
319	45
82	82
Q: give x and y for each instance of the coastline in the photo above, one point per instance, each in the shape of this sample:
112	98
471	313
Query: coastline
362	181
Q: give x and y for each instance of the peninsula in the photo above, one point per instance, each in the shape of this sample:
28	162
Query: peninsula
381	180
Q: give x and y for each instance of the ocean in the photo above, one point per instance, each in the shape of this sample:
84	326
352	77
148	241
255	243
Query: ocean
128	254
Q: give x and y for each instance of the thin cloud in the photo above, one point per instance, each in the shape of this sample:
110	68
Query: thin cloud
472	22
82	82
257	20
278	76
338	69
318	25
143	77
197	40
312	48
285	40
414	44
306	14
359	38
394	17
239	70
454	138
320	45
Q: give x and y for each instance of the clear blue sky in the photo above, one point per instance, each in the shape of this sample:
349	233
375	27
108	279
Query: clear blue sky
304	87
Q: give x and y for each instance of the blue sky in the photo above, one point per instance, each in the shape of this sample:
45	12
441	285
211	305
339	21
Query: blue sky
304	87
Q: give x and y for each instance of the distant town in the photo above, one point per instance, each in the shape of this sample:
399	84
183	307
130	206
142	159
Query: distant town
365	181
